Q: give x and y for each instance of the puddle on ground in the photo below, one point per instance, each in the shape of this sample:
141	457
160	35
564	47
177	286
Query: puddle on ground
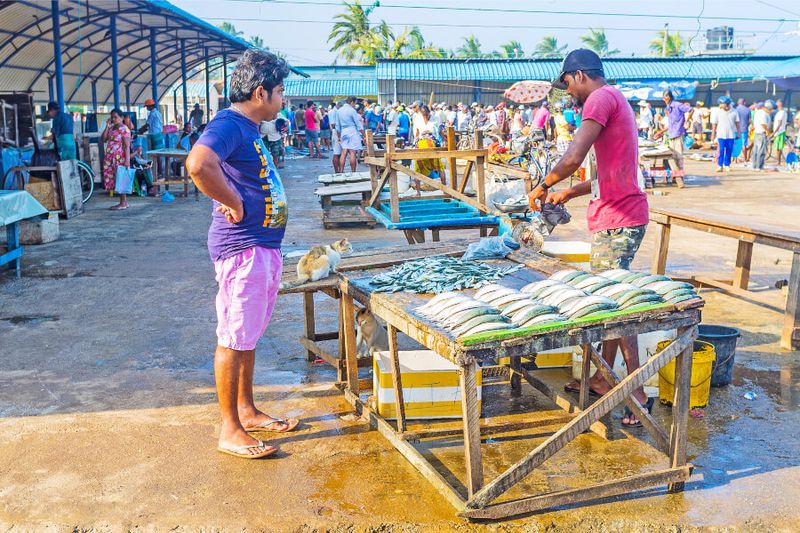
782	385
29	319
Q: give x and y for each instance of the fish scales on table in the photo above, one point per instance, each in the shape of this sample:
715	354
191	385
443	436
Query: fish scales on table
438	274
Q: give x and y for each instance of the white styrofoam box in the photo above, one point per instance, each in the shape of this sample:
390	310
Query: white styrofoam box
577	253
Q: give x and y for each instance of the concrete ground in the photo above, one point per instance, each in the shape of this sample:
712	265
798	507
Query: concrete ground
108	419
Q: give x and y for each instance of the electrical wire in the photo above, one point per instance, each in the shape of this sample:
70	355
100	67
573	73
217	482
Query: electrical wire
518	11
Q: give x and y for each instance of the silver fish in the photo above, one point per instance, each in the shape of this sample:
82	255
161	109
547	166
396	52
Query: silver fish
461	306
678	293
684	298
484	319
663	287
544	319
565	275
615	274
588	302
552	289
559	297
513	307
646	280
509	298
589	309
537	286
527	313
485	289
462	316
437	308
621	299
487	326
613	290
642	299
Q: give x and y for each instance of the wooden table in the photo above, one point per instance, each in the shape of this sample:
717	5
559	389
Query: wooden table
161	162
338	212
329	286
398	312
747	234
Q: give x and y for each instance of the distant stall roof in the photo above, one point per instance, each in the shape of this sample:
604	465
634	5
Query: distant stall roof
698	68
314	87
26	47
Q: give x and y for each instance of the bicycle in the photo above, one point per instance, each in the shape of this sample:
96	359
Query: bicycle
87	180
17	177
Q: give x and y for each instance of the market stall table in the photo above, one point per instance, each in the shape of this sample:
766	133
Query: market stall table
747	234
16	206
467	353
162	176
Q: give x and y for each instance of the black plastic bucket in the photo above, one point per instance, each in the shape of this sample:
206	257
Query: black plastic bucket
724	340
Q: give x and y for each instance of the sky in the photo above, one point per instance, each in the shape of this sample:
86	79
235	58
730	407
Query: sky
300	28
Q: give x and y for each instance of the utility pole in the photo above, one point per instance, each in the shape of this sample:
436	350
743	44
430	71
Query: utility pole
664	41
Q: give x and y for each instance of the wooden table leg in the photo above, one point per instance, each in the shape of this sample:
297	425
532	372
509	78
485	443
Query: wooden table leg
790	336
309	322
435	235
470	413
680	409
583	396
341	373
397	380
662	248
350	343
741	275
516	378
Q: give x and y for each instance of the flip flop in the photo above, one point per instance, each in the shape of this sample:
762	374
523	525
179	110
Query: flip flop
290	424
241	451
577	390
627	413
118	207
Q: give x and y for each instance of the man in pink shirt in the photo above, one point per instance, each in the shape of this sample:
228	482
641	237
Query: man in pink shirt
312	130
542	117
618	211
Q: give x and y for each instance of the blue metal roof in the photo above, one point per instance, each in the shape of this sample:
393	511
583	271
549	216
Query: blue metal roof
26	46
328	87
695	68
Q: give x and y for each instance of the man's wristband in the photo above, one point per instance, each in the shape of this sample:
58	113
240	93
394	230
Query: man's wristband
544	185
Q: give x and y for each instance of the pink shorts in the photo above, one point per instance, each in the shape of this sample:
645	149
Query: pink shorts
248	287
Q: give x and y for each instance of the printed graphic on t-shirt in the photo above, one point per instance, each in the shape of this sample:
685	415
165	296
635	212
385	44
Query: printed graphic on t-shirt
275	208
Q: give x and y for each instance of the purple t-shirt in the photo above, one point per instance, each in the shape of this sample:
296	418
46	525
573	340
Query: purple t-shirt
248	167
677	110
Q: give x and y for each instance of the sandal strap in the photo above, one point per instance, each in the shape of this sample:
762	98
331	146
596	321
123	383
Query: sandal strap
245	447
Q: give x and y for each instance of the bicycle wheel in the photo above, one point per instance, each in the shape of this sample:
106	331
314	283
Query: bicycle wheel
87	180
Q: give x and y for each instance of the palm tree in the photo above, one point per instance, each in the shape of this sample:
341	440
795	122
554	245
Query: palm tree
354	40
510	50
411	44
471	47
256	41
227	27
548	48
673	48
597	41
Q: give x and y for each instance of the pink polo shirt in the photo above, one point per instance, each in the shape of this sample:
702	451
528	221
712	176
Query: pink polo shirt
621	203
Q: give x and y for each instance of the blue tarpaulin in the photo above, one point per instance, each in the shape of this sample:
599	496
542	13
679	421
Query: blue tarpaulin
654	90
18	205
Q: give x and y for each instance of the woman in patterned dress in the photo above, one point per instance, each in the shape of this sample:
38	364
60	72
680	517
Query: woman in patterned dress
117	138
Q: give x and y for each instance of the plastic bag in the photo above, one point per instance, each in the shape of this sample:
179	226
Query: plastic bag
491	248
500	188
167	197
125	178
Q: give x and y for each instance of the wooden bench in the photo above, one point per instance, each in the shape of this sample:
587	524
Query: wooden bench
338	212
747	235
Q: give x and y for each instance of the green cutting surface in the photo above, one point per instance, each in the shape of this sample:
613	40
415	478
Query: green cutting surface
504	334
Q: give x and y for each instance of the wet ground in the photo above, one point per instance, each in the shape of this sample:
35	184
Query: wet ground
108	418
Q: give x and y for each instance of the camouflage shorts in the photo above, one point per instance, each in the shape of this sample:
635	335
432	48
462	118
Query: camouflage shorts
615	248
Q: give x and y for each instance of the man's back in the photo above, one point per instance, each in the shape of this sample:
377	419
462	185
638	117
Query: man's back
617	200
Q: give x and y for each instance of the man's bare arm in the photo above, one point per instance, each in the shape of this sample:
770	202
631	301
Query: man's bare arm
570	161
203	166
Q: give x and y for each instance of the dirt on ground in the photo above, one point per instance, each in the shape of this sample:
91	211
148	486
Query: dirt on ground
108	419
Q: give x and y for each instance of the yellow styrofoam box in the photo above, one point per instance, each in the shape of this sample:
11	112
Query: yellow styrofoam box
430	385
557	358
577	253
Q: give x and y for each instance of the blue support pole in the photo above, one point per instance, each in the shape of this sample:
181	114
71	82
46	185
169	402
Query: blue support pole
183	82
175	106
51	92
208	87
114	60
224	81
153	64
128	97
94	96
59	74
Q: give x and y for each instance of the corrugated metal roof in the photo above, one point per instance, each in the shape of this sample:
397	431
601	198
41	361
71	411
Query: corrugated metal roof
339	72
26	47
695	68
317	87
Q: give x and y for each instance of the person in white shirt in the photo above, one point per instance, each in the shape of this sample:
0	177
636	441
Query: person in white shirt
463	117
392	120
645	119
451	116
336	140
725	129
779	122
761	129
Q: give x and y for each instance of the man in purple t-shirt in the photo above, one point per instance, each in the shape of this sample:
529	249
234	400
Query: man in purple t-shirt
231	165
618	213
677	115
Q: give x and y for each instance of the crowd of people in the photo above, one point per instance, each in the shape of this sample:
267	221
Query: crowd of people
738	131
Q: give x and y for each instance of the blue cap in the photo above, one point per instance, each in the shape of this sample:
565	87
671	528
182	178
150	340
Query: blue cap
724	100
580	59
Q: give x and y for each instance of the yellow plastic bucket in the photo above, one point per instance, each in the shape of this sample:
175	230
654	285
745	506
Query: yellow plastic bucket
703	357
